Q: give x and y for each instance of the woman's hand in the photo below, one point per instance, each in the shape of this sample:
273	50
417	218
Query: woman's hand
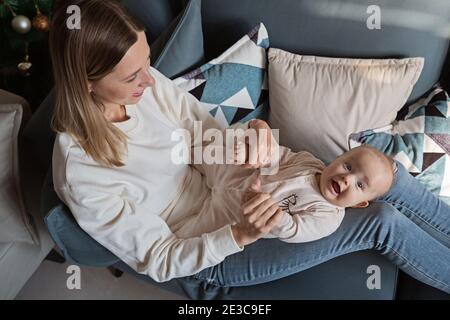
259	155
260	213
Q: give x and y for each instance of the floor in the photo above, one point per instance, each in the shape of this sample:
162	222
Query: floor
50	282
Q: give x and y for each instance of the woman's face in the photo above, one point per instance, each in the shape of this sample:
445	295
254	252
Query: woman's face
126	83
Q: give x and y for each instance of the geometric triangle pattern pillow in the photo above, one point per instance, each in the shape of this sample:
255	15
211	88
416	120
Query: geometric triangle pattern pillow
233	87
419	140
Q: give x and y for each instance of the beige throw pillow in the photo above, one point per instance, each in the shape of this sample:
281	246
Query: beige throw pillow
317	102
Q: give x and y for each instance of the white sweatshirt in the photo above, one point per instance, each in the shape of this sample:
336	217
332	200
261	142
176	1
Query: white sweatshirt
129	209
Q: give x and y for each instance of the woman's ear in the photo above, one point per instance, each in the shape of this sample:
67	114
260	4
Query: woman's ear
363	204
90	87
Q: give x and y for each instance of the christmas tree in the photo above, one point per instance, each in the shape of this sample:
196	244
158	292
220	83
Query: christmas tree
22	22
24	57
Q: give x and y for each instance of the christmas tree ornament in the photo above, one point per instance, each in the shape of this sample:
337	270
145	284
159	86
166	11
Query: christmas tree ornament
40	22
25	66
21	24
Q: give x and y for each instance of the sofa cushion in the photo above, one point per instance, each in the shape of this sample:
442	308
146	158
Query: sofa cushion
19	260
4	247
15	225
419	140
76	245
341	278
338	28
180	46
233	86
317	102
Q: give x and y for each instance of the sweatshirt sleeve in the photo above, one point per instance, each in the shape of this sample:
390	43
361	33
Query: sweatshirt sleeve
142	239
309	225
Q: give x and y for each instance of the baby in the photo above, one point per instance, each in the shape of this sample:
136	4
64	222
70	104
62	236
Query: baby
313	196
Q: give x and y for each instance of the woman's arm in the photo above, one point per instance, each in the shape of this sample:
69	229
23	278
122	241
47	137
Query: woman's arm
142	239
260	214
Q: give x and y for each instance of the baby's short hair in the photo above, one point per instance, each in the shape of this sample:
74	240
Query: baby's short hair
389	161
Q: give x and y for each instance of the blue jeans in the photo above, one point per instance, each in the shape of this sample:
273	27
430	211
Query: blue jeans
408	225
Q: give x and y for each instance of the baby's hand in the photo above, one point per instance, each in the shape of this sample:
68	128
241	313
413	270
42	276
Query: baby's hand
261	152
241	155
240	152
237	152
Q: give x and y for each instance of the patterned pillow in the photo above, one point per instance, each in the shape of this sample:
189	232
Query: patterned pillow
420	140
234	86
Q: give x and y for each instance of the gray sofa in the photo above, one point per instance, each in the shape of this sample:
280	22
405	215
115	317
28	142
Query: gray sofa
325	27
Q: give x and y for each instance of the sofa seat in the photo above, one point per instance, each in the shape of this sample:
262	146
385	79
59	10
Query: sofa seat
18	262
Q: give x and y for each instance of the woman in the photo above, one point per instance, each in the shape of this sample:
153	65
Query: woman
112	166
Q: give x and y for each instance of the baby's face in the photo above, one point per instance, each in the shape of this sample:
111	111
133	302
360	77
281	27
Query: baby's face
355	178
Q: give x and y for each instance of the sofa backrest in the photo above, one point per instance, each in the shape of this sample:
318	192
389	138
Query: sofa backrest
338	28
157	14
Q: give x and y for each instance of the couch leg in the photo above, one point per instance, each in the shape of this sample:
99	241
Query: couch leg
54	256
116	272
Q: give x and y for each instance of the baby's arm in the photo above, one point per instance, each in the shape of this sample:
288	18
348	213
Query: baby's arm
302	159
217	157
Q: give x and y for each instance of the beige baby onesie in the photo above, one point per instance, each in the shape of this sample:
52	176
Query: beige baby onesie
307	215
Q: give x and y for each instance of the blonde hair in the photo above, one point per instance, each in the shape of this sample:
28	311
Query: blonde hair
84	55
